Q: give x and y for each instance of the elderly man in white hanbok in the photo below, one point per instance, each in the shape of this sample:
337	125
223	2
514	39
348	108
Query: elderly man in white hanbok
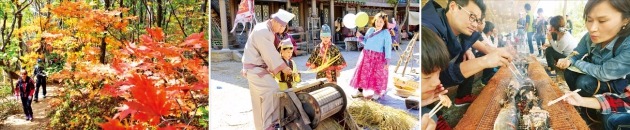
260	61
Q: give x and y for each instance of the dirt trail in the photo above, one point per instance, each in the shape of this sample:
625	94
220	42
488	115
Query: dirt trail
40	112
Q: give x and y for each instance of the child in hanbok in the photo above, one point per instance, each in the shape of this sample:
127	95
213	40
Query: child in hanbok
326	57
286	81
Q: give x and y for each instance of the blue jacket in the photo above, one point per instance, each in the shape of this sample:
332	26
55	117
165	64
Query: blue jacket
434	18
381	42
602	64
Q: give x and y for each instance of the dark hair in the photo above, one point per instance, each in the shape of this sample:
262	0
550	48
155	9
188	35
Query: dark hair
435	56
528	7
540	10
464	3
557	21
622	6
489	27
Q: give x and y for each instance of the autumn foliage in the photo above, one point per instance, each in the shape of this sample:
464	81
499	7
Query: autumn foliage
145	79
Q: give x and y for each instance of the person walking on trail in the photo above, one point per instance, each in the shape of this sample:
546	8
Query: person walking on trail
24	90
261	61
40	78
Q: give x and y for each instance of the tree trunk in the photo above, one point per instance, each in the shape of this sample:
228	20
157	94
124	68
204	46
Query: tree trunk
18	16
4	25
149	14
22	44
160	15
8	39
204	8
396	9
103	46
181	24
107	4
404	19
121	5
6	78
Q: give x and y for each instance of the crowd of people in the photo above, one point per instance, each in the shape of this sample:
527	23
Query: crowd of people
269	68
458	42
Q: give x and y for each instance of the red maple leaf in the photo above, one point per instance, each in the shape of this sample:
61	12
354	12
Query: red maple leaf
118	65
145	39
169	51
150	101
156	33
201	86
109	90
112	124
124	112
196	40
144	117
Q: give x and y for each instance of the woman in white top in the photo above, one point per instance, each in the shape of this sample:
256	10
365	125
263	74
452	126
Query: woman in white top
561	42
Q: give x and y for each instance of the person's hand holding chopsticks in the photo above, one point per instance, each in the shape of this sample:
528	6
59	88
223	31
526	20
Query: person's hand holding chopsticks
432	95
444	102
576	100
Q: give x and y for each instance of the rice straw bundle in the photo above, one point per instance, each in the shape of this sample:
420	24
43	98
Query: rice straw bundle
376	116
323	66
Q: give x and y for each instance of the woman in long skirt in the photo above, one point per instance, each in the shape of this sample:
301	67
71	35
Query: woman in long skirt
371	71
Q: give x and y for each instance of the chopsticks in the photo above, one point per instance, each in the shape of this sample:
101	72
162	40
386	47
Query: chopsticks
515	72
444	101
436	109
563	97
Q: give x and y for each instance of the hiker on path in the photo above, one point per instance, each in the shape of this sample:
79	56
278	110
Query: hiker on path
40	78
24	90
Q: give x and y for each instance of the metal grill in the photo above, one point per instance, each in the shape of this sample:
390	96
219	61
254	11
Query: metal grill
492	111
562	116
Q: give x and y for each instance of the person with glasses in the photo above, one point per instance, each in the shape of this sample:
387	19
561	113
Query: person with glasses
286	81
456	25
324	53
24	90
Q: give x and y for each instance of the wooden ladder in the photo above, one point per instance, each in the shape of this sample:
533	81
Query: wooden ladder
406	55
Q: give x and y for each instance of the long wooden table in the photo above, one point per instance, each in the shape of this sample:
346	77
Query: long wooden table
482	113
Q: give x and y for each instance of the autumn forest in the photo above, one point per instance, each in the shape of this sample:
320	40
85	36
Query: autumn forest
129	64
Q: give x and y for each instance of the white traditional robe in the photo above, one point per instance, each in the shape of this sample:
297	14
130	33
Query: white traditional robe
260	50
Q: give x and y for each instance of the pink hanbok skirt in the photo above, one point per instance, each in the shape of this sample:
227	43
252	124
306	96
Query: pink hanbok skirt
370	73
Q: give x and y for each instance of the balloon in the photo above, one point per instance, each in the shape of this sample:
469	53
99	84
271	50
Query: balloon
362	19
349	21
